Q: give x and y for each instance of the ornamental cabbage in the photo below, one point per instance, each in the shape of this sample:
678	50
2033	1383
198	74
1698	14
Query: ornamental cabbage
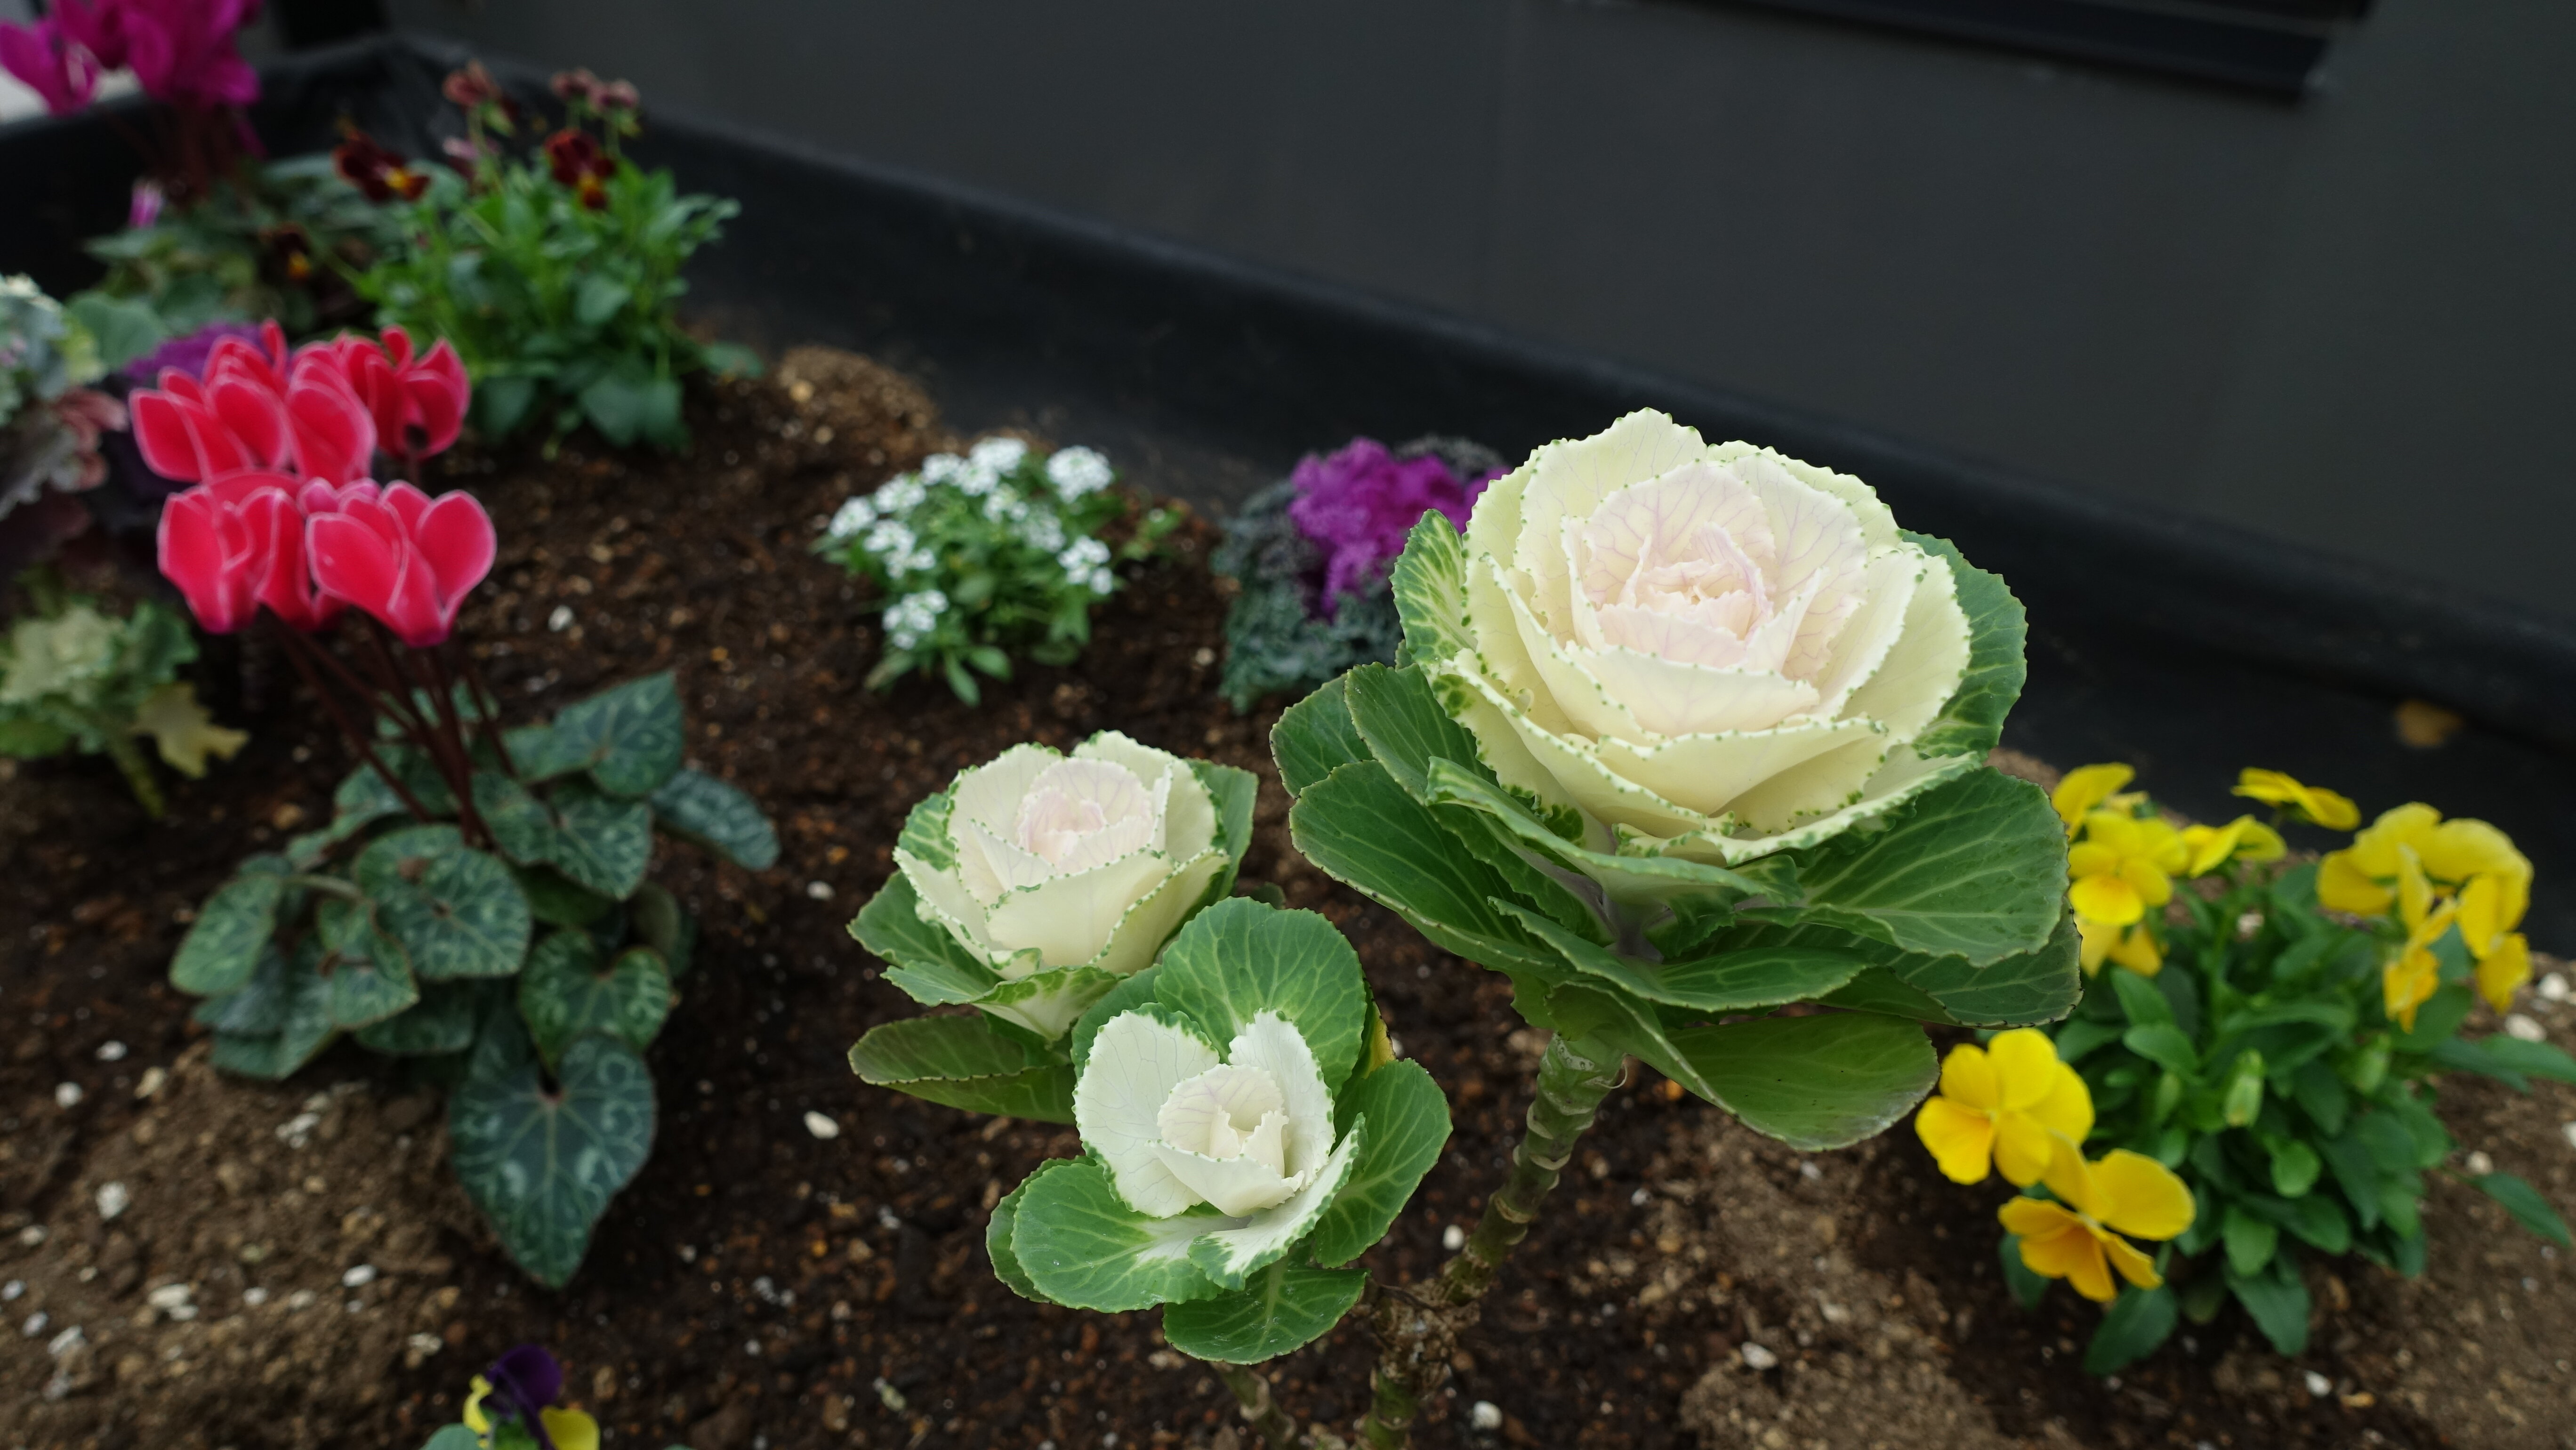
1705	651
1051	876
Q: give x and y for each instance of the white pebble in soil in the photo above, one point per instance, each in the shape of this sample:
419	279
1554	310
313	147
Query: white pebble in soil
1485	1415
1453	1238
111	1052
67	1095
12	1290
170	1296
153	1078
2524	1029
2318	1385
822	1126
560	620
1757	1357
359	1277
113	1199
2479	1165
819	890
2553	988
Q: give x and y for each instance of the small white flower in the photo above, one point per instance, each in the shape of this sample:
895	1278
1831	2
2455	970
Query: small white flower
1082	555
1001	455
853	517
1042	531
976	481
1099	580
913	617
889	539
940	468
1003	506
1078	471
901	496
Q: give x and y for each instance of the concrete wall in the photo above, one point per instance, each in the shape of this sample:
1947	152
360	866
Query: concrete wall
2345	321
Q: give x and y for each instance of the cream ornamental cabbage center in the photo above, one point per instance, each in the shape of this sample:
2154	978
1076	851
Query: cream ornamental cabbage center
1711	650
1041	862
1178	1127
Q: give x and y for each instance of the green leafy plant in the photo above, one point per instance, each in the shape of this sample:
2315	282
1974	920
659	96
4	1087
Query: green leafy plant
995	553
2279	1041
554	273
1688	741
75	678
269	239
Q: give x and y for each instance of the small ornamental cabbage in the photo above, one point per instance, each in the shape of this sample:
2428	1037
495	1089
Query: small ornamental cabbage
2270	1035
1247	1136
1036	883
51	421
73	678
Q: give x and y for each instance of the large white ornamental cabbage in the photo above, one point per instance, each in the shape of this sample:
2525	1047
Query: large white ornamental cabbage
1058	875
1709	651
1179	1126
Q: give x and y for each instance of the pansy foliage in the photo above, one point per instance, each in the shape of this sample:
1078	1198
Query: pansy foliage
2273	1034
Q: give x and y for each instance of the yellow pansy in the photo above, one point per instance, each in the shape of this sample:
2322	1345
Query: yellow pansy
2361	877
2086	787
2411	980
2078	1238
568	1429
2007	1103
2123	867
2310	803
2133	946
2242	839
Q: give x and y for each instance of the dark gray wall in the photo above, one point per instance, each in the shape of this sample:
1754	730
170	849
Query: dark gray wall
2344	321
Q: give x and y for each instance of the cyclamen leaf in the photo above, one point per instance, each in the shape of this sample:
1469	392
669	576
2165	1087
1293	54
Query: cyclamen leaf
443	1022
371	976
520	824
602	842
715	815
1279	1310
565	992
223	947
456	911
542	1165
277	1023
629	736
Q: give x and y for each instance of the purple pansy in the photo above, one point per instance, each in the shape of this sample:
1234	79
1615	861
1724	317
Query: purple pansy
524	1380
1358	504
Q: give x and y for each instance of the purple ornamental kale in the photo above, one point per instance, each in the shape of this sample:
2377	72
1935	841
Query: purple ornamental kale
188	354
1358	504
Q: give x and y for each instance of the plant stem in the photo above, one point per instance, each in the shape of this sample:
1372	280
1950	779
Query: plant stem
1417	1334
297	648
136	770
486	706
1252	1393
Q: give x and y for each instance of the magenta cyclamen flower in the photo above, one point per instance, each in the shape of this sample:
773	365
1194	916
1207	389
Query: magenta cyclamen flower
60	71
1358	504
180	50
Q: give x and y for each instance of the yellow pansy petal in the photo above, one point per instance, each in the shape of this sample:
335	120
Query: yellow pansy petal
2134	1266
2343	886
2504	970
2482	922
2326	808
2261	842
2162	845
2085	1269
2414	888
2071	1178
2086	787
2142	1196
1968	1075
2097	941
2091	858
570	1429
2408	983
2137	950
2037	1219
1961	1139
2068	1108
2211	846
2458	850
2025	1066
2110	900
2115	831
474	1417
2153	886
2023	1148
2375	850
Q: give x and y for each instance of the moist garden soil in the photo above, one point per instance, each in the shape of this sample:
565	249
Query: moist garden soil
292	1265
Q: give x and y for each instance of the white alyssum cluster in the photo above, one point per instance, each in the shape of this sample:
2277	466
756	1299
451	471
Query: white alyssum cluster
1078	472
910	619
1085	562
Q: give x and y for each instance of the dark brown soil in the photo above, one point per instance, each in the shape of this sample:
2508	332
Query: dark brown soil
761	1288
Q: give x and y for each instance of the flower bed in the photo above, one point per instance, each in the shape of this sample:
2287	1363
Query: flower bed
746	1228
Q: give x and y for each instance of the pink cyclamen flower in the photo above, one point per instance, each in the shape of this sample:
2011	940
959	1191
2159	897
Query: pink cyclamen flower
1359	503
237	543
402	557
62	72
417	403
256	406
182	50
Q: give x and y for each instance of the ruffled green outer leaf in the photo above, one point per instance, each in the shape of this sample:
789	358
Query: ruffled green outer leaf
1973	722
1280	1310
1975	868
966	1062
1408	1121
1240	958
543	1165
1083	1247
1005	1221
